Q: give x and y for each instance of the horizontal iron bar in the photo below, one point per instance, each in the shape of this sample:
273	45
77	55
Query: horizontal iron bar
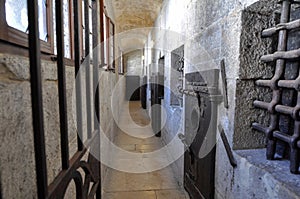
290	84
261	104
289	55
200	89
292	111
260	128
197	83
282	26
265	105
283	137
287	110
265	83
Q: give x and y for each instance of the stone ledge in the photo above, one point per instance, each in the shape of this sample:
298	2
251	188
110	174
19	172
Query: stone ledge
275	172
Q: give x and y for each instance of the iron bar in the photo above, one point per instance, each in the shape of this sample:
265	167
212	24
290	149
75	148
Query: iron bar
55	186
196	83
87	68
282	26
288	55
280	63
227	146
78	77
37	99
102	32
260	128
223	74
294	150
283	137
97	187
95	64
290	83
292	111
61	76
282	108
269	106
287	109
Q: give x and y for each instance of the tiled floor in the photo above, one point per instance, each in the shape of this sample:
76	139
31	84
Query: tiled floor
159	184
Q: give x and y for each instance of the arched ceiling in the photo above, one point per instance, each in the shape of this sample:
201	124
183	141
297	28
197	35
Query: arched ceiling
131	14
133	21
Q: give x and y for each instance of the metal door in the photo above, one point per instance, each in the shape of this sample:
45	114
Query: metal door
155	106
200	133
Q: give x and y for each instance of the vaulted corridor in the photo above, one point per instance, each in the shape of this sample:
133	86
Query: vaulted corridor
149	99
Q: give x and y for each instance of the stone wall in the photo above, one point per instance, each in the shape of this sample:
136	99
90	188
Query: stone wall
211	31
133	63
17	164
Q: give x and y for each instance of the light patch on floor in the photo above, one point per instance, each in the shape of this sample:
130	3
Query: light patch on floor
160	184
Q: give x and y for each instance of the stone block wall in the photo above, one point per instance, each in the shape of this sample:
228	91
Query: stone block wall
17	164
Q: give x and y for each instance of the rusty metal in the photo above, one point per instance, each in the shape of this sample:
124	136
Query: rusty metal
283	131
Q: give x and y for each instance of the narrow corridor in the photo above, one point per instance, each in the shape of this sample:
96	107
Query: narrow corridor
160	184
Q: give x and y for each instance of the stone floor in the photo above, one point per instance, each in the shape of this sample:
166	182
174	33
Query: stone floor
158	184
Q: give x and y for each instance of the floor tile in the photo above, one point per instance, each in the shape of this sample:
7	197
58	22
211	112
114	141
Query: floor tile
142	152
170	194
130	195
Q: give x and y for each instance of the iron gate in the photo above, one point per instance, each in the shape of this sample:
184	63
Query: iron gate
90	186
283	131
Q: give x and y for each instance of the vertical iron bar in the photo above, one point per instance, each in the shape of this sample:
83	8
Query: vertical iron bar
102	32
62	84
95	64
77	77
280	64
95	26
87	71
37	100
288	95
294	151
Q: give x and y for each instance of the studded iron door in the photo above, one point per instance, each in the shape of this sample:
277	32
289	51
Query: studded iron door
200	133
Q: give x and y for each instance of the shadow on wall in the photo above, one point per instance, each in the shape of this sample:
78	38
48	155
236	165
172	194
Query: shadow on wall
132	88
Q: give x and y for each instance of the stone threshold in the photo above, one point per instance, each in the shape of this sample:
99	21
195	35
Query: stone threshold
275	171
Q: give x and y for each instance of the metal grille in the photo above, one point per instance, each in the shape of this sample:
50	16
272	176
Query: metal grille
89	184
283	132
